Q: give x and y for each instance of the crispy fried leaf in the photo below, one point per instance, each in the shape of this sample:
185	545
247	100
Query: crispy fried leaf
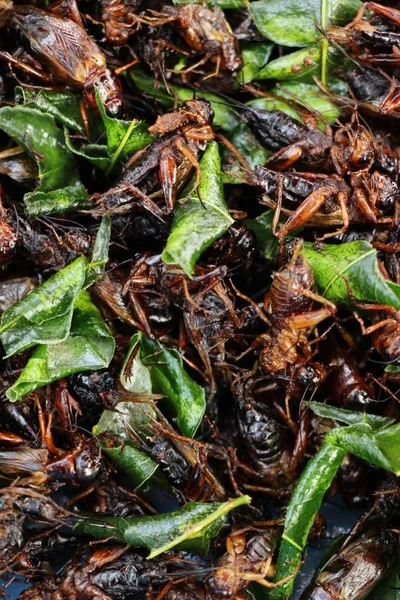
377	446
301	512
60	188
297	65
292	22
123	137
351	266
255	56
40	203
141	469
303	94
349	417
64	106
45	314
191	528
184	398
90	346
97	154
201	219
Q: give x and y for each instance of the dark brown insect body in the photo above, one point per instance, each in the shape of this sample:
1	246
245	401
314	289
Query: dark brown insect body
270	446
69	53
205	31
345	382
167	162
354	571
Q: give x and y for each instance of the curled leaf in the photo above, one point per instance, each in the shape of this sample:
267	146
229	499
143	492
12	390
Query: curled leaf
201	219
191	528
89	347
351	267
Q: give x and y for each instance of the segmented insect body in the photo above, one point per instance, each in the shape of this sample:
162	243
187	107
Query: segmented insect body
244	561
118	19
69	53
356	569
206	31
168	162
289	306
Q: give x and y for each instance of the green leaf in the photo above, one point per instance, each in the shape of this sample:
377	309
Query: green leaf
64	106
225	117
135	377
348	416
380	447
255	56
190	529
99	259
301	512
97	154
292	22
89	347
40	203
393	368
352	265
301	64
38	133
123	137
44	316
302	94
184	398
141	469
201	219
267	243
310	97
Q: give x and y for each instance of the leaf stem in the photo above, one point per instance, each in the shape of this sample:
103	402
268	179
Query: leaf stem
324	42
121	146
222	510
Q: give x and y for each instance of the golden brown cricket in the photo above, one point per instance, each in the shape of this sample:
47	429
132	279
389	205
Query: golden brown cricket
118	17
289	307
65	49
167	162
245	561
206	31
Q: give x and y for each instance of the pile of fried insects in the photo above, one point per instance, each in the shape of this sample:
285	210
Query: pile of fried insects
199	300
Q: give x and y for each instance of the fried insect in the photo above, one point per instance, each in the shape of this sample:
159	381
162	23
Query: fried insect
118	17
289	307
8	235
246	560
70	54
207	32
168	162
348	386
356	569
273	450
